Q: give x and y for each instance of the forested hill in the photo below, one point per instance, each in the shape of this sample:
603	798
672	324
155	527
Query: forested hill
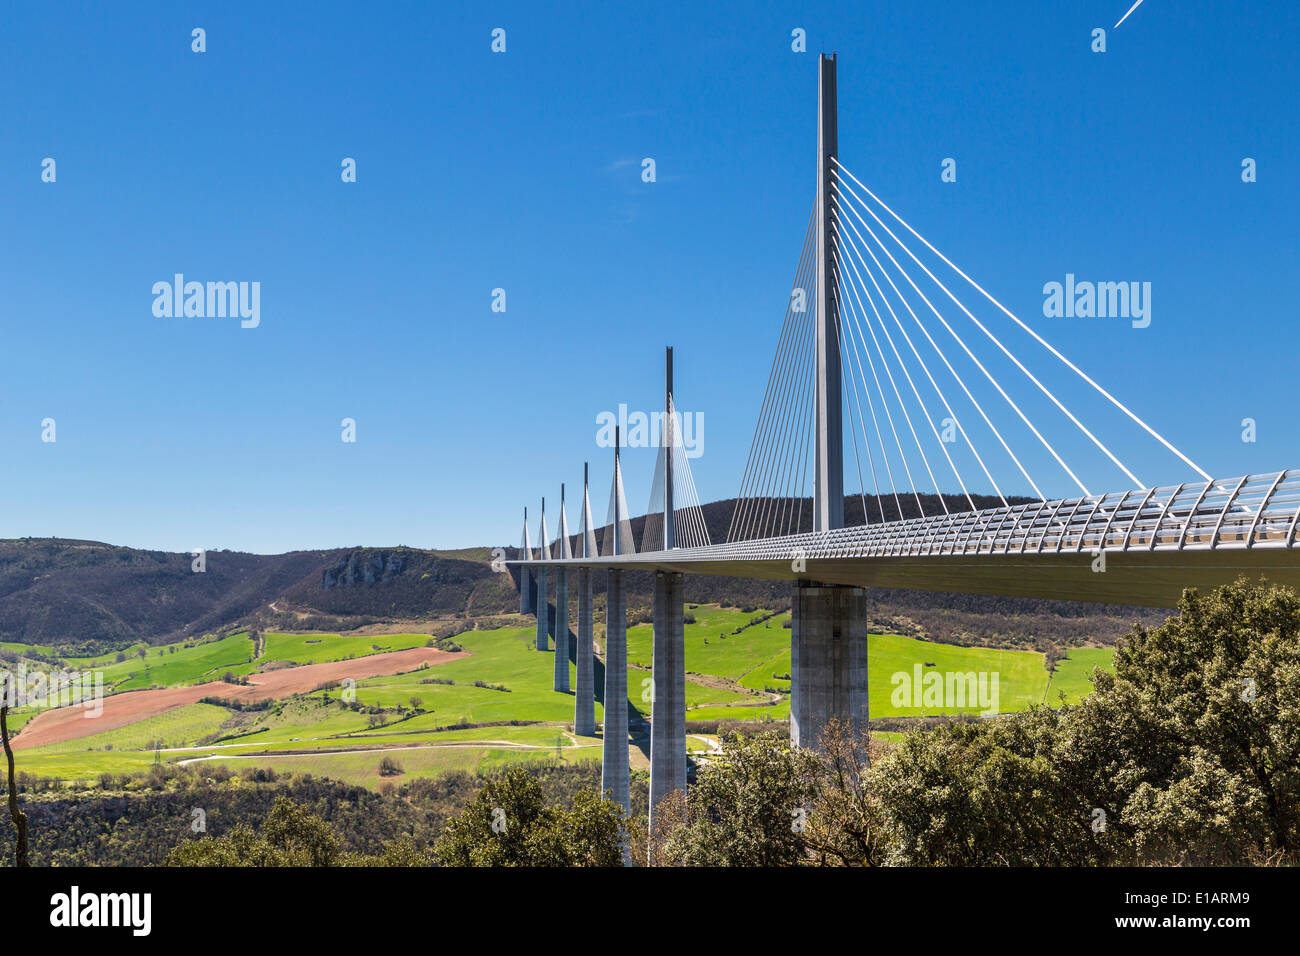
58	591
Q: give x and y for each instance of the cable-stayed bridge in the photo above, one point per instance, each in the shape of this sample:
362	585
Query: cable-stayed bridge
874	331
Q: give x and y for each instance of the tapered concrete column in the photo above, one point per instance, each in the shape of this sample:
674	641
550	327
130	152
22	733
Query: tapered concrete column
668	709
562	629
527	591
543	612
614	767
584	699
828	660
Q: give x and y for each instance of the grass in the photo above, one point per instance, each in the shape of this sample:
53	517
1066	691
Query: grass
505	657
293	718
363	767
728	677
1073	676
711	647
175	665
86	765
321	648
15	720
1022	675
181	727
470	750
172	665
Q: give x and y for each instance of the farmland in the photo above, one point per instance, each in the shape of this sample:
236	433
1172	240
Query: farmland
487	706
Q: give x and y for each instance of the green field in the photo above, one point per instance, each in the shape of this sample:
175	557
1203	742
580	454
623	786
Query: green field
711	647
171	665
181	727
319	648
364	766
174	665
505	657
1022	676
737	662
1073	676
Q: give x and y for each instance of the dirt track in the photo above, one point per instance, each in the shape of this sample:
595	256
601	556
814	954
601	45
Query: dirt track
69	723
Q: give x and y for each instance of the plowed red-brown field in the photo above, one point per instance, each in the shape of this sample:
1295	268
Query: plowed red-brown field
69	723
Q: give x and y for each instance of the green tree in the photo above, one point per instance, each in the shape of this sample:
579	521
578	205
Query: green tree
749	806
982	794
289	836
1203	714
844	826
1188	754
510	824
299	834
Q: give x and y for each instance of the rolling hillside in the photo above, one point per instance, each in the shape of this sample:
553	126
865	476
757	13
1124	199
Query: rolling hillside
93	596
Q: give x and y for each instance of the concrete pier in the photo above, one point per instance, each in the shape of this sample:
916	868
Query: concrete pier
614	766
543	613
828	660
562	629
668	709
584	699
527	591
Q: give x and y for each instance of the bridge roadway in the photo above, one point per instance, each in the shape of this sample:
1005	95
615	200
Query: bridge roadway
1133	548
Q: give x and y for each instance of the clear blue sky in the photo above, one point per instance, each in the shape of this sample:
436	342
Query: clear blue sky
522	170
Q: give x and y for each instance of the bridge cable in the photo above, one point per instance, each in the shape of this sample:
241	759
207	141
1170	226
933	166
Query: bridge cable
955	419
806	440
846	278
925	368
746	506
1005	351
1041	387
862	424
880	392
960	381
618	506
862	375
694	510
884	404
773	501
1074	368
897	394
762	435
762	490
652	531
742	502
848	391
943	446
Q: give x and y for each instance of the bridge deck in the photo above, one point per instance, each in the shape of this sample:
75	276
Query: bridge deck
1155	542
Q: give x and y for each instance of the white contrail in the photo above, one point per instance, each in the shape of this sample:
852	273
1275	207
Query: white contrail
1130	10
